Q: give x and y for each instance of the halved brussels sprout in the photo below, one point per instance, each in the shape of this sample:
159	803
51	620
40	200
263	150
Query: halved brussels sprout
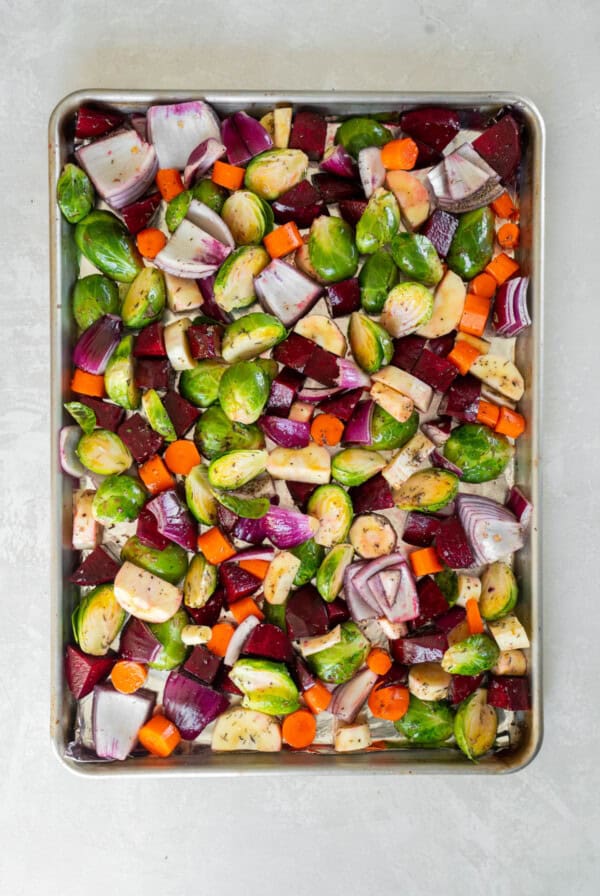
447	582
377	277
174	651
427	490
236	468
210	193
426	722
74	193
310	555
332	250
475	654
82	415
267	686
244	391
119	377
360	133
480	453
407	307
250	336
499	591
145	299
170	564
332	507
103	452
234	284
177	209
371	345
199	496
106	242
157	416
97	620
378	223
338	664
118	499
248	217
330	576
353	466
275	614
271	173
200	582
200	385
475	725
269	367
387	434
93	297
215	434
473	244
416	257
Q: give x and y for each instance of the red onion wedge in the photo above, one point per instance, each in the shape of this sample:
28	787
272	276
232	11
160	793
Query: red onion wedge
190	705
404	605
360	610
285	432
518	504
351	376
511	316
349	698
117	718
209	221
201	160
138	123
177	129
285	292
438	460
264	552
464	181
339	162
67	443
244	137
288	528
371	169
191	252
438	430
358	428
97	343
492	530
239	638
138	643
121	166
174	520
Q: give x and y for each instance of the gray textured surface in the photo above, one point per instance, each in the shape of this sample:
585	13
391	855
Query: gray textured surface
535	832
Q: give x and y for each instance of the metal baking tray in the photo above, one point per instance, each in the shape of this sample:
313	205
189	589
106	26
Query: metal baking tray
63	272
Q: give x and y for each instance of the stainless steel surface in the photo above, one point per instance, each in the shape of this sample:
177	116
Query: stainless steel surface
527	468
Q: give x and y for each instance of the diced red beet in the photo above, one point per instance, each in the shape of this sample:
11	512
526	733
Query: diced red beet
462	686
338	612
407	351
209	306
284	389
153	373
224	683
301	204
309	132
226	519
461	401
452	545
396	674
443	345
138	215
341	406
204	340
210	612
300	492
440	229
92	122
202	664
181	413
450	619
374	494
509	692
442	463
344	297
419	649
83	672
108	416
150	342
432	602
323	367
269	641
302	674
306	613
352	210
434	126
435	371
138	642
147	531
295	352
427	155
334	189
420	529
500	146
97	568
140	438
237	582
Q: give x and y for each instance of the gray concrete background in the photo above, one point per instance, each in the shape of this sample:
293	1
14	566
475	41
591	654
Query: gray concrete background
532	833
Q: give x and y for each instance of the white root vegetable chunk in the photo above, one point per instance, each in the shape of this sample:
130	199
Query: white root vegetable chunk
468	587
196	634
459	633
183	294
448	305
324	331
177	345
511	662
282	126
508	633
245	729
399	406
308	646
87	532
146	596
280	577
392	630
500	374
348	738
301	411
408	460
311	464
407	384
428	681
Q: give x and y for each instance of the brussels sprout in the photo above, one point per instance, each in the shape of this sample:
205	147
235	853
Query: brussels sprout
200	582
387	434
82	415
244	391
118	499
475	725
145	299
427	490
75	193
473	244
236	468
416	257
199	496
157	416
173	651
353	466
170	564
475	654
377	277
359	133
269	367
378	223
267	686
234	284
311	556
499	591
119	377
275	614
200	385
332	507
215	434
371	345
97	620
210	194
177	209
480	453
106	242
248	508
271	173
103	452
337	664
447	582
332	250
93	297
251	335
426	722
248	217
330	576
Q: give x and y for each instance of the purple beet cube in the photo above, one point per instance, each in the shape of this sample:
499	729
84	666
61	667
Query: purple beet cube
108	416
440	229
97	568
140	438
181	413
435	371
205	340
284	389
153	373
202	664
309	132
407	352
323	367
344	297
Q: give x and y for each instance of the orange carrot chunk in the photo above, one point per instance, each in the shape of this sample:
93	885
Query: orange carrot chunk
155	475
88	383
159	736
510	423
327	430
150	241
488	413
215	546
474	620
483	285
503	206
169	183
389	701
229	176
400	155
246	606
463	356
425	562
283	240
475	314
379	661
317	698
258	568
299	729
222	633
508	236
502	267
128	676
182	456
